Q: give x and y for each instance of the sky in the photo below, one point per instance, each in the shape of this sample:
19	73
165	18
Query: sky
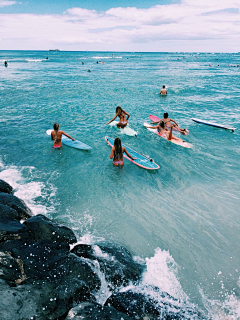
122	25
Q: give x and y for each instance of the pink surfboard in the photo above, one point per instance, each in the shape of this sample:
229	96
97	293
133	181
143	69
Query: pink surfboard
179	143
154	118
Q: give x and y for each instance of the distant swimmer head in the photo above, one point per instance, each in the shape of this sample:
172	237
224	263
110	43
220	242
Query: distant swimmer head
56	126
165	115
118	110
162	124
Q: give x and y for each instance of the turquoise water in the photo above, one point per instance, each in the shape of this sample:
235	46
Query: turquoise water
181	220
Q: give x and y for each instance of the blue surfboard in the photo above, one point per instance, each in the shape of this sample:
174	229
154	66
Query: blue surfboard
72	143
141	160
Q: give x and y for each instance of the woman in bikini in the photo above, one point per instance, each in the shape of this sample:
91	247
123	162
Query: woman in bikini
56	135
117	153
164	132
122	116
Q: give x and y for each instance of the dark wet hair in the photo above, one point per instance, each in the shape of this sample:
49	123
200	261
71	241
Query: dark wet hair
165	115
163	86
118	147
162	124
118	109
56	126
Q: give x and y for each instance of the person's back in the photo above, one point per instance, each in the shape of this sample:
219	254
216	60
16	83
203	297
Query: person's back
56	135
166	120
163	91
117	153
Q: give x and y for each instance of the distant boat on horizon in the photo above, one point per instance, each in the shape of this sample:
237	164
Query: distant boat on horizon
54	50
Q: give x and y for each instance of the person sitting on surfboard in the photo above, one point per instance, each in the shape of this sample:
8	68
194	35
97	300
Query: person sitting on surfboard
168	124
117	153
164	132
56	135
122	115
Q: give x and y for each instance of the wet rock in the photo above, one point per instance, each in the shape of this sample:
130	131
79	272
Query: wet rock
84	250
41	301
40	227
116	262
94	311
16	204
135	305
5	187
139	306
7	213
10	227
10	269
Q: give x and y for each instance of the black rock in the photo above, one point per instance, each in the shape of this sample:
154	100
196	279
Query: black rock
139	306
115	262
94	311
43	301
7	213
10	269
84	250
10	227
16	204
5	187
135	305
40	227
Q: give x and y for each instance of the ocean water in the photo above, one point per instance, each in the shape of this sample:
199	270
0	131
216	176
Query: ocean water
182	221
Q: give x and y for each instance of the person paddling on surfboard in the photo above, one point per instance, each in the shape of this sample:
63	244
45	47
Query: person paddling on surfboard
164	132
122	115
117	153
56	135
168	123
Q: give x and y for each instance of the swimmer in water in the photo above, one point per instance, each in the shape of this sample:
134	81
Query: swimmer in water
122	116
56	135
163	91
168	123
5	63
117	153
164	132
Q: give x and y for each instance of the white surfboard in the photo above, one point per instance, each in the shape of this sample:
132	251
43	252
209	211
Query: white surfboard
127	130
212	124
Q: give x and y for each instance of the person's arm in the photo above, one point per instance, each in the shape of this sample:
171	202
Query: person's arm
67	135
156	127
52	136
124	150
170	134
128	115
174	121
112	153
112	119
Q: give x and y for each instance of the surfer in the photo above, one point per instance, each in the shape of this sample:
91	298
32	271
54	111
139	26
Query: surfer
5	63
168	124
122	116
117	153
164	132
163	91
56	135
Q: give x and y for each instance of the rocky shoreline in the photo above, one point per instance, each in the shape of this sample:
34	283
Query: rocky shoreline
45	274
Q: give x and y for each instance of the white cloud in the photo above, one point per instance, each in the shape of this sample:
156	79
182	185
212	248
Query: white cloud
197	25
6	3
